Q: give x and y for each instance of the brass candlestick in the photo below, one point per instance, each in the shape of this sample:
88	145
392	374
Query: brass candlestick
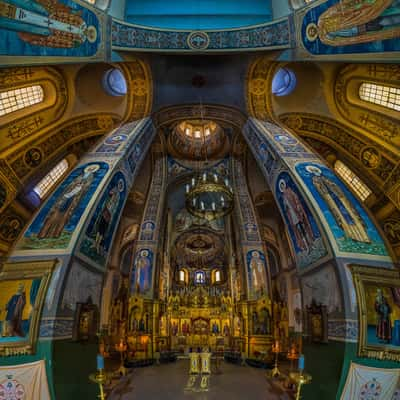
301	378
121	347
100	377
275	373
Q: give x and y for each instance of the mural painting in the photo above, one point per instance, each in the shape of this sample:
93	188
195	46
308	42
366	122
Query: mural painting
59	28
349	223
378	295
22	290
103	223
323	288
56	222
83	286
348	27
304	233
142	276
257	275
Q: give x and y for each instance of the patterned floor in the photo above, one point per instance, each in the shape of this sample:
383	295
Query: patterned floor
171	382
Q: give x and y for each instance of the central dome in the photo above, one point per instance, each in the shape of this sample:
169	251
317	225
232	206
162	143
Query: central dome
197	140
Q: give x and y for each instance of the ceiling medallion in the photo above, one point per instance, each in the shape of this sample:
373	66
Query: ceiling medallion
198	40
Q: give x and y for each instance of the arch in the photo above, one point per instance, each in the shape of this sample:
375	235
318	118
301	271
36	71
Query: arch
372	119
24	123
98	184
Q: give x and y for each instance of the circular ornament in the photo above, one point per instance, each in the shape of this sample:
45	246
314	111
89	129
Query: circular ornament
115	139
370	390
258	86
10	228
370	157
11	389
33	157
312	32
198	40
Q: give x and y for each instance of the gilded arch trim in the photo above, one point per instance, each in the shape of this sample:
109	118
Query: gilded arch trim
21	124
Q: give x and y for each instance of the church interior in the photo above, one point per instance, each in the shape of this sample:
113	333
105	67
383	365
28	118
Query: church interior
199	199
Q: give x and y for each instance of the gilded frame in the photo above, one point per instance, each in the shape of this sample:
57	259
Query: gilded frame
25	271
362	276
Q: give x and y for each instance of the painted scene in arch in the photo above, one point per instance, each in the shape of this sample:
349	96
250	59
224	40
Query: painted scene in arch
104	221
349	223
304	232
383	315
351	27
17	303
56	221
60	28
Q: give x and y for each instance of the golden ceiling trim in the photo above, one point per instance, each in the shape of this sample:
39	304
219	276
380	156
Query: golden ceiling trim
140	89
258	88
15	131
375	121
173	114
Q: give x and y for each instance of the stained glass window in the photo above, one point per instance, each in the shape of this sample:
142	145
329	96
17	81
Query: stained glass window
217	276
385	96
51	178
283	82
16	99
348	176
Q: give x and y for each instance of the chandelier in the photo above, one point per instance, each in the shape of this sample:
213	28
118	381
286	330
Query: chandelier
208	195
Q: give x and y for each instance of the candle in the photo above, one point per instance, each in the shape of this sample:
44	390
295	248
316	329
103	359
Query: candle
301	362
100	361
187	188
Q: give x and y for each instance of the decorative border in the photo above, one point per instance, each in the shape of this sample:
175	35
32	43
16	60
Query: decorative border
271	35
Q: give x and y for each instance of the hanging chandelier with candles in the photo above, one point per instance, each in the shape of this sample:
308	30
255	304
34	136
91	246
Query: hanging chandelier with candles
209	196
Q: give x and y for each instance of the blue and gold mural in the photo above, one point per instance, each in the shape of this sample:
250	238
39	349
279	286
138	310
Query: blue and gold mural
60	28
256	273
56	222
349	223
350	27
304	233
142	275
103	223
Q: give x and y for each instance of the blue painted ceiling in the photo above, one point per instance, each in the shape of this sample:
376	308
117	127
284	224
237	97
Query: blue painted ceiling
198	14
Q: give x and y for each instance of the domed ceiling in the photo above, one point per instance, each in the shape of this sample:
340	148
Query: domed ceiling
199	247
198	140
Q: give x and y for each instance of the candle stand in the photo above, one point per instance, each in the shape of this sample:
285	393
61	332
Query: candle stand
100	377
121	347
301	378
275	373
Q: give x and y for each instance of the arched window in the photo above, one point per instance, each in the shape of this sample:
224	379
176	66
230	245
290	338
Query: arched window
182	275
217	275
16	99
200	277
114	82
284	82
348	176
43	187
385	96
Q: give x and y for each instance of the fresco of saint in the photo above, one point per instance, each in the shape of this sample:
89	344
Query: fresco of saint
46	23
346	216
383	323
143	267
68	201
297	217
351	22
257	271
